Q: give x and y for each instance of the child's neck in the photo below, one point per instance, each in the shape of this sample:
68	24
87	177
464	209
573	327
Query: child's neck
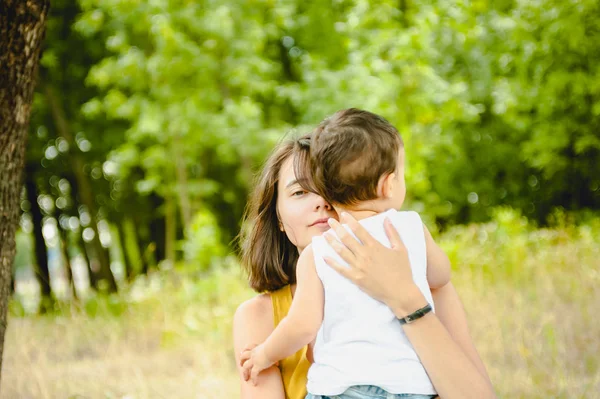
362	211
361	214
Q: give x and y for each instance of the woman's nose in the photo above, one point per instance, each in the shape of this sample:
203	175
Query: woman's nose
321	203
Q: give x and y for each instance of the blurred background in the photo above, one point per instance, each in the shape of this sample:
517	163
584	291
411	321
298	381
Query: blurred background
151	119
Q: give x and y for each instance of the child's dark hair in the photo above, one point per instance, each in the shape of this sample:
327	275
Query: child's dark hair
349	152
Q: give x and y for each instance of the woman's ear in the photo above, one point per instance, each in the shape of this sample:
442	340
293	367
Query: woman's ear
386	185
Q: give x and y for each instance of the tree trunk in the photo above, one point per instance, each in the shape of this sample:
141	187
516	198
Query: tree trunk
171	229
64	247
182	183
22	28
78	239
135	250
80	243
42	272
84	188
127	264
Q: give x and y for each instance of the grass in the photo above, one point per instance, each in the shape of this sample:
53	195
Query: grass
531	298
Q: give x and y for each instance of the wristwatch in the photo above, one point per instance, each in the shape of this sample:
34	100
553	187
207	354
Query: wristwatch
417	314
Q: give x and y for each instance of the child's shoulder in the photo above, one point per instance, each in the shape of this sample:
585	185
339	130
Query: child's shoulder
404	215
307	255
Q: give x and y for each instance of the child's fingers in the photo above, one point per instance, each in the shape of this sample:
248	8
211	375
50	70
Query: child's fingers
254	375
246	354
392	233
246	369
249	347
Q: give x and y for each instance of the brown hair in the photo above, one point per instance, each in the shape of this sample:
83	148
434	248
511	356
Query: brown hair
348	153
268	256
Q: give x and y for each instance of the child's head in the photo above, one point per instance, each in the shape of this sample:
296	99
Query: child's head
356	157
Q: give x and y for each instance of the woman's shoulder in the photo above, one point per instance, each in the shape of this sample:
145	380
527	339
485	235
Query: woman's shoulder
253	319
258	307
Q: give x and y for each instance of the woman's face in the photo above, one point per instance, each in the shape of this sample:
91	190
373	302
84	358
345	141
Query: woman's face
302	214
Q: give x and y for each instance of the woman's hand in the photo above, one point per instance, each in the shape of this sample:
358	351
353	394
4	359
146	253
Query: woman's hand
383	273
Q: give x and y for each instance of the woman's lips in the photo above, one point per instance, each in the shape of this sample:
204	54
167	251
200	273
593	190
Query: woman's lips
320	222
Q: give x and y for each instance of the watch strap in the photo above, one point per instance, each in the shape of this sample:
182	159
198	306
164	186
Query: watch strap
417	314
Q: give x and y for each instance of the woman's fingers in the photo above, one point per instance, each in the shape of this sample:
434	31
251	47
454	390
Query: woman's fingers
345	237
343	270
392	234
358	229
340	248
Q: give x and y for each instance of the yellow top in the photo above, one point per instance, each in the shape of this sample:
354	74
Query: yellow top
294	369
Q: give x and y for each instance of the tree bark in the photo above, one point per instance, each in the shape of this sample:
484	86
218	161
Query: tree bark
22	29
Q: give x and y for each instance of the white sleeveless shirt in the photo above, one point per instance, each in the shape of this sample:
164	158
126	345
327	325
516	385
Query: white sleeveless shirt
360	341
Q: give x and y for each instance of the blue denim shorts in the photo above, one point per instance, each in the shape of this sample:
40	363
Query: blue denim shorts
370	392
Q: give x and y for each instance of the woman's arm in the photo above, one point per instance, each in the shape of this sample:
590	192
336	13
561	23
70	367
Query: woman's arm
385	274
252	323
449	309
448	306
451	371
297	329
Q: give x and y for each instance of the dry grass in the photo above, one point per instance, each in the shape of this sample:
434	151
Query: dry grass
170	340
531	297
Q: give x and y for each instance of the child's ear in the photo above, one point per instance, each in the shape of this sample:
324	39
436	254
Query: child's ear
385	185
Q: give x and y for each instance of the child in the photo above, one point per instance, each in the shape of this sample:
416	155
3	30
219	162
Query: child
356	162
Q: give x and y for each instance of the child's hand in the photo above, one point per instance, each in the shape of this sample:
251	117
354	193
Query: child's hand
253	361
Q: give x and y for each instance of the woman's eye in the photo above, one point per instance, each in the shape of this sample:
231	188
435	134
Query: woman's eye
298	193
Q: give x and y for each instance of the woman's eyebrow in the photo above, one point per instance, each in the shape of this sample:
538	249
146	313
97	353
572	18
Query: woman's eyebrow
290	184
296	181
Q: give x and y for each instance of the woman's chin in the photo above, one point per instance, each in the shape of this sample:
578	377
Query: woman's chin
320	228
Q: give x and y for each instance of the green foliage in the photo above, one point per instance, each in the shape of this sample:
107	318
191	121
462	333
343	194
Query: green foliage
203	246
511	249
24	255
494	107
103	305
176	103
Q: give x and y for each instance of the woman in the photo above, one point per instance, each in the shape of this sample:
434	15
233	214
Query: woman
284	218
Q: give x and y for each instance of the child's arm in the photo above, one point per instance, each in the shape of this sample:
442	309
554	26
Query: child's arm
438	264
298	328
